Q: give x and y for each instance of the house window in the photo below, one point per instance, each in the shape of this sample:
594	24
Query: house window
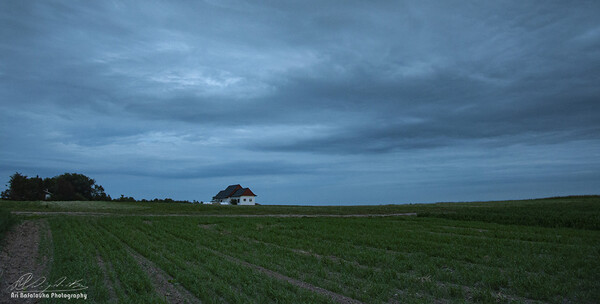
250	199
244	200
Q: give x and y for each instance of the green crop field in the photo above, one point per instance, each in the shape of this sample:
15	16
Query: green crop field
534	251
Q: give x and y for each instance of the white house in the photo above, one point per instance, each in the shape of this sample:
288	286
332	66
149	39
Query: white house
235	195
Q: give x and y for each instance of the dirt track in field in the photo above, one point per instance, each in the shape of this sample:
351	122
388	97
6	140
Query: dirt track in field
76	213
20	256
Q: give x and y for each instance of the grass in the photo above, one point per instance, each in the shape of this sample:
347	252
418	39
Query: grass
79	242
6	220
373	260
574	212
531	251
77	249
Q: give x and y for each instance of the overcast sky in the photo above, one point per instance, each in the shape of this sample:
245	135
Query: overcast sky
324	102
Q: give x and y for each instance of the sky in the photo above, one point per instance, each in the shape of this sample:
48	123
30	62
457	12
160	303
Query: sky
305	102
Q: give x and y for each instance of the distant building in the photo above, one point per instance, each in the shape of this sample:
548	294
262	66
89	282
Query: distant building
47	194
235	195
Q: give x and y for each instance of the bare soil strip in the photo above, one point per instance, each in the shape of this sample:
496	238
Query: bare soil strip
20	256
77	213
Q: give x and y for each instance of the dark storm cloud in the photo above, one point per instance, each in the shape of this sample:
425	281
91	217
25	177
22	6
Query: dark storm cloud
219	89
447	109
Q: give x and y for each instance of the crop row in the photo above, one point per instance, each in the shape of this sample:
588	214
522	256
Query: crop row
5	222
81	252
97	252
207	275
378	259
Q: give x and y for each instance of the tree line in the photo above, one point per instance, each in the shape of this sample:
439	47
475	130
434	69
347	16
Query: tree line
64	187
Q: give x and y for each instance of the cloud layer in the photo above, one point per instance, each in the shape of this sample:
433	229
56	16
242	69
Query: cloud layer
354	102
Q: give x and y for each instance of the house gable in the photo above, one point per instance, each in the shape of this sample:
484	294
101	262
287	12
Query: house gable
228	192
235	194
243	192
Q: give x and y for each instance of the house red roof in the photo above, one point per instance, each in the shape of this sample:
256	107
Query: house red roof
248	192
234	191
243	192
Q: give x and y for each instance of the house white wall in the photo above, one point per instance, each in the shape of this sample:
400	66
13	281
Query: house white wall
247	200
243	200
225	201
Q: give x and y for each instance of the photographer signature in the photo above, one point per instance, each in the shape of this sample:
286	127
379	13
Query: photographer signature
28	283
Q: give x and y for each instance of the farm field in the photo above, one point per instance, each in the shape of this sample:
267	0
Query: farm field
486	252
574	211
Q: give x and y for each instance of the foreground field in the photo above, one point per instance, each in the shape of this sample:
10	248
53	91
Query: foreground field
459	255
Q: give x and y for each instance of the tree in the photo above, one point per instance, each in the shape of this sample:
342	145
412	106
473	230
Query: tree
66	187
34	189
22	188
73	186
5	194
64	191
124	198
16	184
98	194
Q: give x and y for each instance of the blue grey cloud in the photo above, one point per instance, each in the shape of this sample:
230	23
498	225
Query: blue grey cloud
289	96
